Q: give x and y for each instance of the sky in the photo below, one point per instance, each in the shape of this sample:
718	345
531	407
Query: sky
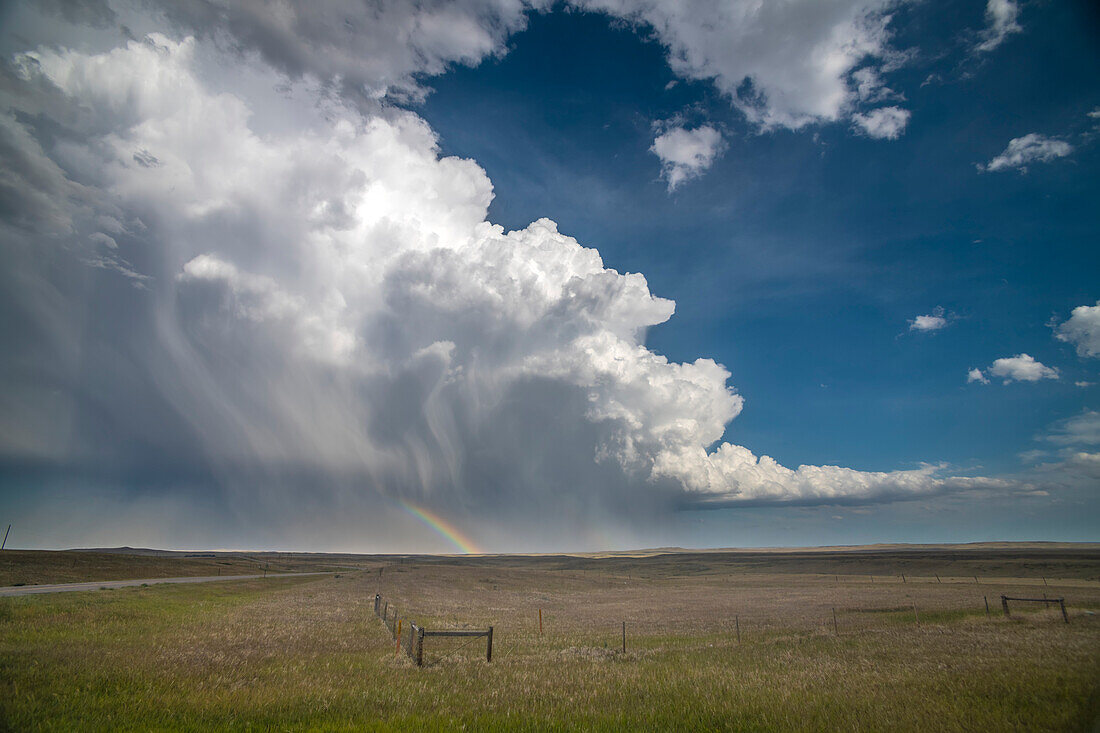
512	275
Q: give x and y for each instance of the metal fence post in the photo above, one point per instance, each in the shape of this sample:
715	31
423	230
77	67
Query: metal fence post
489	646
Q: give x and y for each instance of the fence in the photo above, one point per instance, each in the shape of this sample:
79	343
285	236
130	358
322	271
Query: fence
413	641
414	646
1044	600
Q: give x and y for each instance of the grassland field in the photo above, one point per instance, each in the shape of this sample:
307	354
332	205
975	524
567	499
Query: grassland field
917	652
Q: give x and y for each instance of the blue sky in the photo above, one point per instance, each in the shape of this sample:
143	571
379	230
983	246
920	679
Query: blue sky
254	298
797	259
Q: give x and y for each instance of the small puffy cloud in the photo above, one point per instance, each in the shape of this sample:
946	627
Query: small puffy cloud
927	323
685	154
931	322
1095	113
884	123
1082	330
1031	148
1083	384
1001	18
1021	368
976	375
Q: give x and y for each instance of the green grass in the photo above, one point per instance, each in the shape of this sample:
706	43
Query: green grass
309	654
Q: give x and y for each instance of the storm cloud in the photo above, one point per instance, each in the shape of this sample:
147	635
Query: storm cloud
228	289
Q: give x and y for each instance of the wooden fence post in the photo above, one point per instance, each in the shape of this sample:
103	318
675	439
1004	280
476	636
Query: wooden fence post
489	646
1062	603
540	622
419	647
986	599
1004	604
398	637
836	629
737	623
624	637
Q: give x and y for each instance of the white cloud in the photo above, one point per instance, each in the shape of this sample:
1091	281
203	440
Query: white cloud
884	123
927	323
1032	456
931	322
370	49
103	239
1001	18
331	312
1083	429
1084	463
1031	148
1073	462
788	64
1082	329
1083	383
976	375
732	474
784	64
685	154
1021	368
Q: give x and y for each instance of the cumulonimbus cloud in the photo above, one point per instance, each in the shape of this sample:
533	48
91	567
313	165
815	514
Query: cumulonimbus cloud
371	50
326	309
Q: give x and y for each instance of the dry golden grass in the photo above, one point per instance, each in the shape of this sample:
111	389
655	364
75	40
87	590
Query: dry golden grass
308	653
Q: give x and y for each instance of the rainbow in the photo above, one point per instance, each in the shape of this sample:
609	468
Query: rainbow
445	530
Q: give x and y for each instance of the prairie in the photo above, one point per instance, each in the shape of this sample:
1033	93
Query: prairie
714	641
